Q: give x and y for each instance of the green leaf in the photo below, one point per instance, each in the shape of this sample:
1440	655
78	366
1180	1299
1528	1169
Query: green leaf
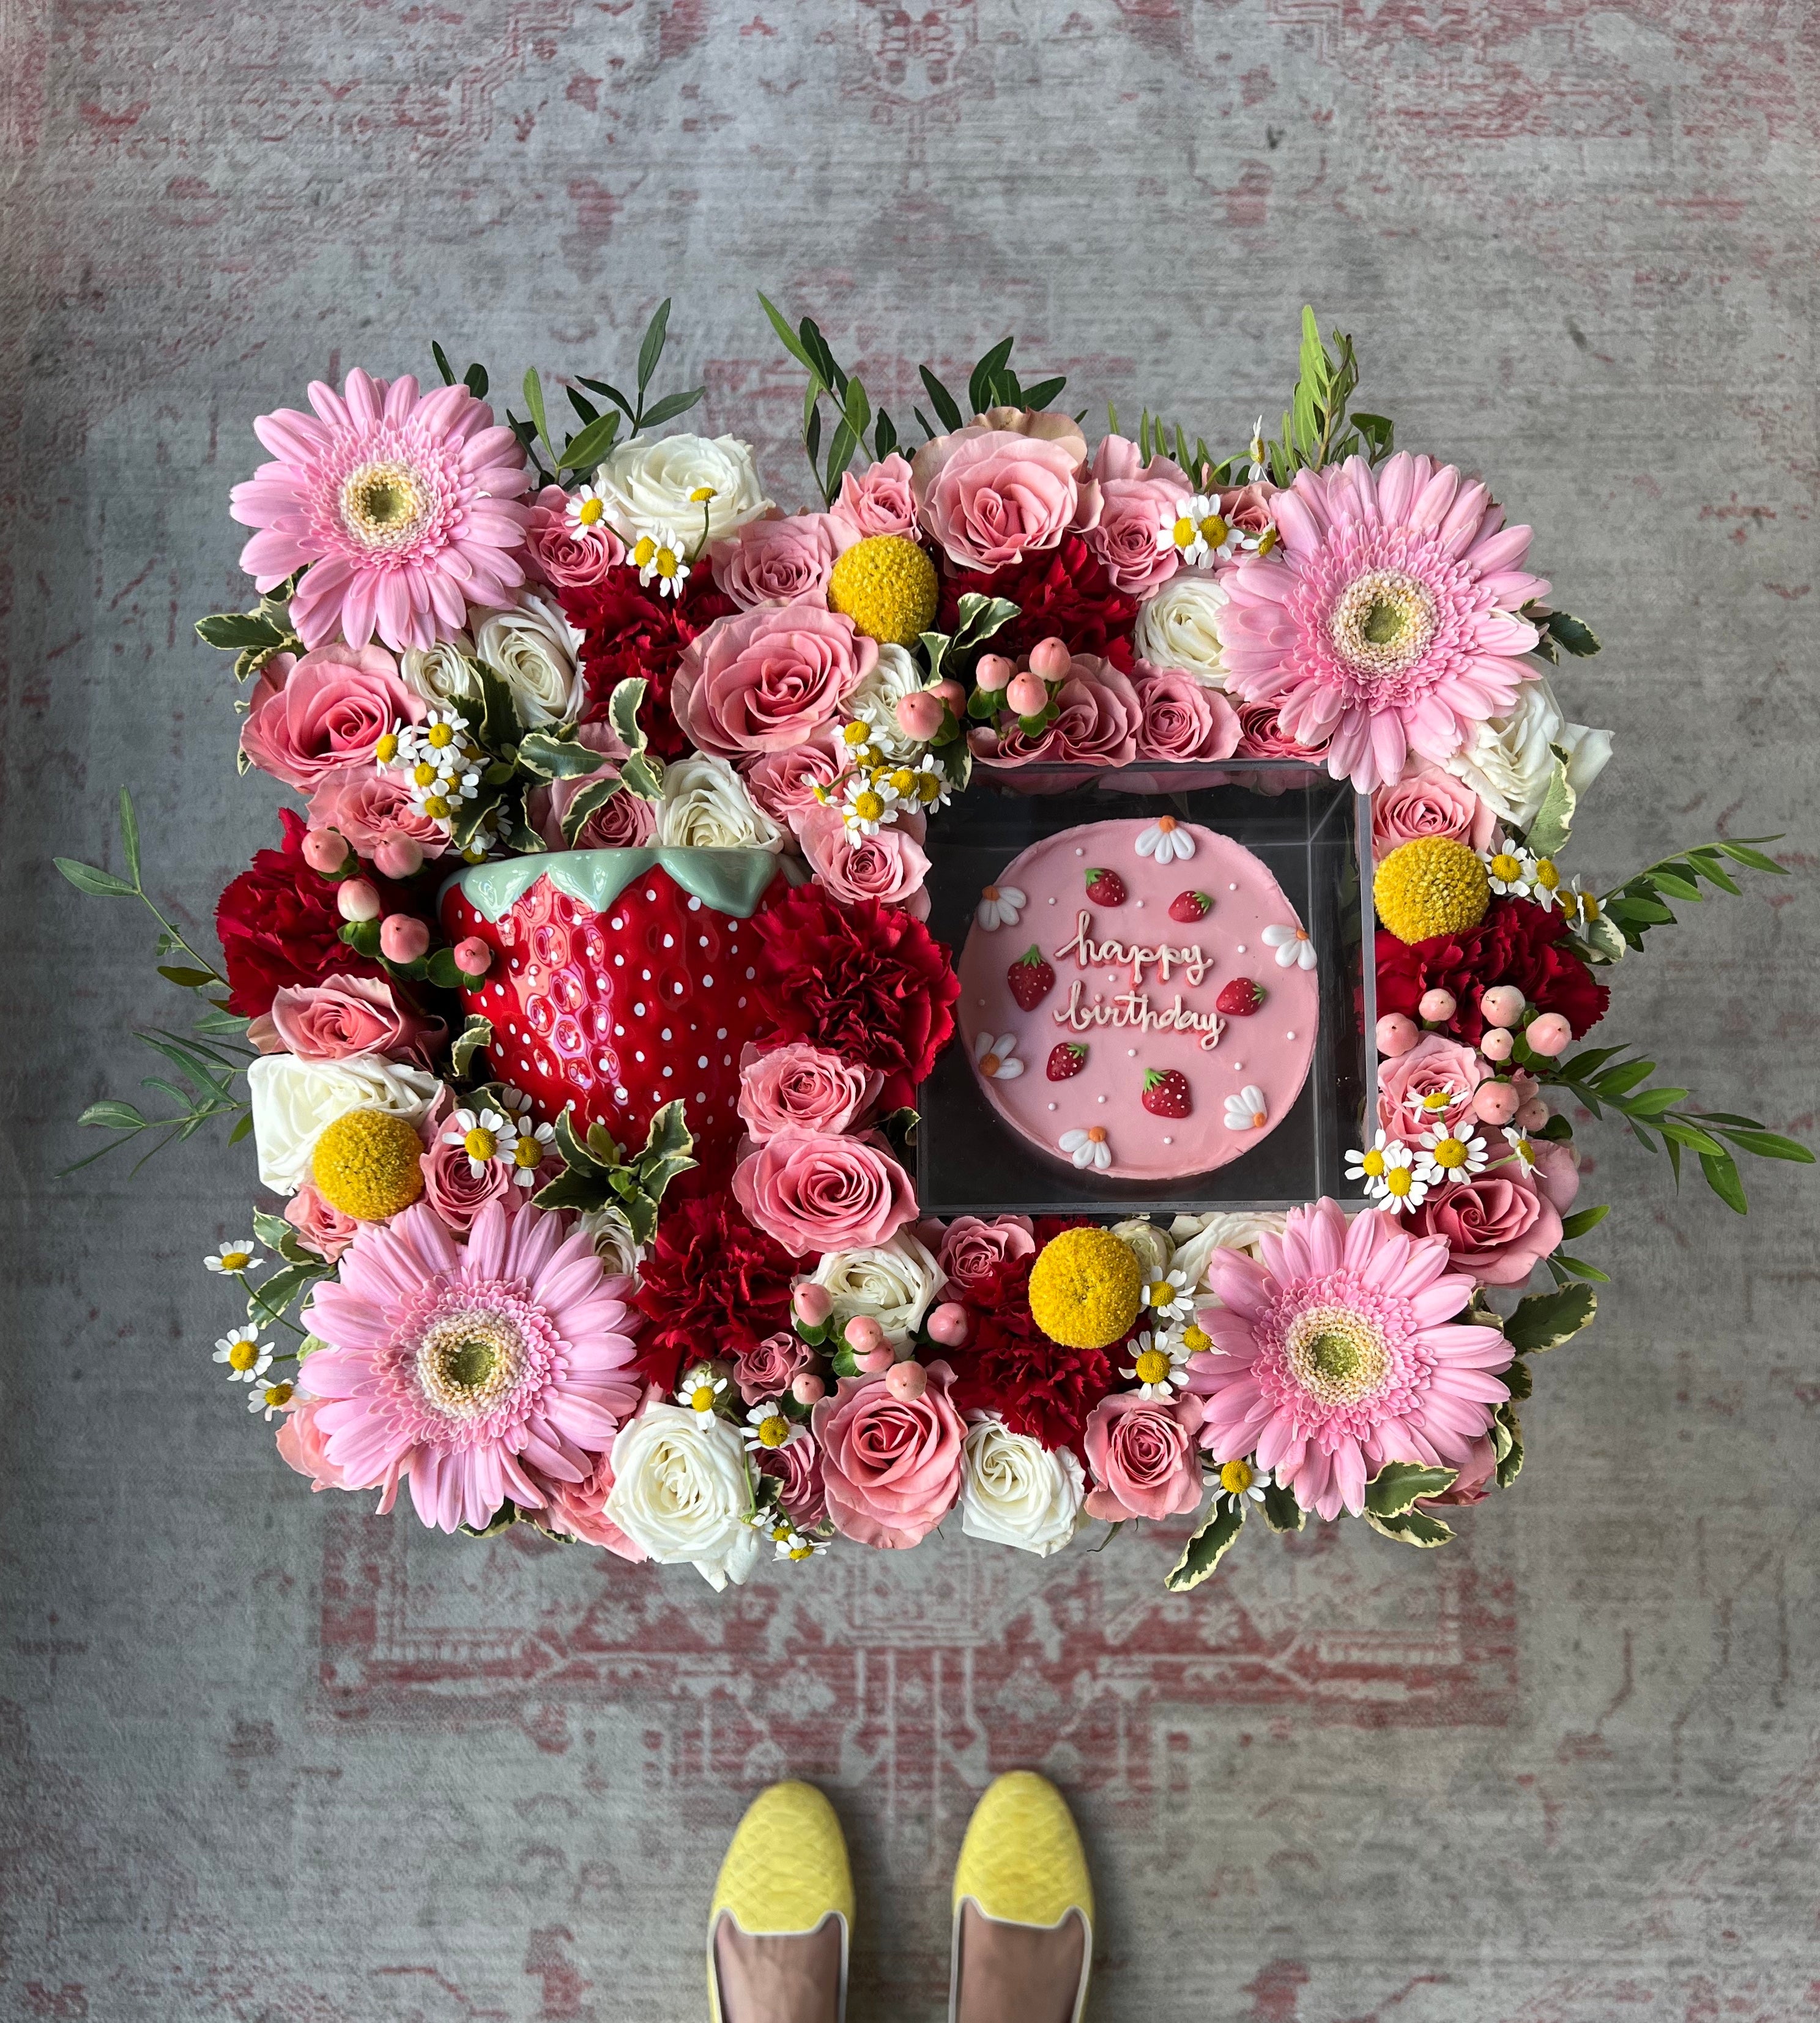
112	1115
1517	1379
1653	1102
652	349
1771	1145
1507	1423
1039	397
1569	634
553	758
947	409
1208	1546
1413	1527
584	1190
129	834
270	1299
1603	940
1743	853
1580	1269
643	776
1723	1178
1398	1485
1545	1320
534	400
613	393
474	379
1675	886
501	726
884	436
1618	1082
671	405
442	364
979	386
233	631
188	979
840	452
792	343
622	710
1678	1130
588	447
587	803
221	1025
98	884
1588	1218
1281	1511
241	1130
476	1035
1548	832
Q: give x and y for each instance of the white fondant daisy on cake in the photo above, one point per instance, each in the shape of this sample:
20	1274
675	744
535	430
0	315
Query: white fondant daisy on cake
999	907
997	1056
1293	949
1166	839
1090	1147
1248	1110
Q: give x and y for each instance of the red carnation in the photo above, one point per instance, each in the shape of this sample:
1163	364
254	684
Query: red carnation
631	631
712	1286
1518	942
278	924
1064	592
1038	1387
864	980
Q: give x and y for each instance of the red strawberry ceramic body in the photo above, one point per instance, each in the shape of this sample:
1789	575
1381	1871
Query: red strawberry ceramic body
620	981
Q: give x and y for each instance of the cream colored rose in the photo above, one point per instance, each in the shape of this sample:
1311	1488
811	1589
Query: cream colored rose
682	1490
294	1102
874	702
706	806
650	483
1179	626
439	674
895	1282
1015	1491
1153	1247
1506	761
1197	1237
533	651
614	1244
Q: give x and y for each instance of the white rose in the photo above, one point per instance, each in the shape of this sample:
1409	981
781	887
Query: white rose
895	1282
1015	1491
682	1490
706	806
1506	761
1197	1237
1155	1249
532	650
875	703
294	1102
648	483
1180	627
439	674
611	1235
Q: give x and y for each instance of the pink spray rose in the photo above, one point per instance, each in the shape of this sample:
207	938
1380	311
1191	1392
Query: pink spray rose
784	783
764	1369
1097	725
803	1087
559	551
1142	1457
1183	718
1433	1067
324	1230
1263	737
1426	801
578	1509
1556	1173
879	499
814	1192
301	1446
890	866
454	1190
344	1016
623	821
370	807
1137	502
1247	507
972	1252
312	717
1498	1226
797	1466
778	559
890	1467
768	679
1009	483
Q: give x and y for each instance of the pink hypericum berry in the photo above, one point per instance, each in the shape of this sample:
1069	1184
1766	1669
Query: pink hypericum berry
1502	1004
472	957
399	857
919	716
993	673
1027	695
864	1335
1495	1102
358	899
1051	659
907	1382
813	1304
807	1390
949	1324
1497	1044
1551	1034
1439	1006
326	851
875	1362
403	938
1396	1033
1533	1115
952	693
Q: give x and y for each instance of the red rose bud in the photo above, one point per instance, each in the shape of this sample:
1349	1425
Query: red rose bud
399	857
919	716
994	673
472	957
948	1324
1051	659
326	851
1027	695
358	900
403	938
812	1303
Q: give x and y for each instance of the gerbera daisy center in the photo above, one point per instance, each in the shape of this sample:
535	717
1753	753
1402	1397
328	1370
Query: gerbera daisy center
382	505
1337	1355
1383	622
469	1363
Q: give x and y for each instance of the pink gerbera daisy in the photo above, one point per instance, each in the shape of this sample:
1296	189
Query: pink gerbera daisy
405	511
1385	619
1334	1355
493	1368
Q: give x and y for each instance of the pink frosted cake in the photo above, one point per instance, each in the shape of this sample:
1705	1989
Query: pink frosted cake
1139	998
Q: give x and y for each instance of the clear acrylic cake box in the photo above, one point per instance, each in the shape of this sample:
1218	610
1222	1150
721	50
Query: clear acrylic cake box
1313	833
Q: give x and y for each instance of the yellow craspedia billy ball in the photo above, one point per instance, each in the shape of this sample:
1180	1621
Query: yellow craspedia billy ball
1433	886
1086	1288
366	1165
887	586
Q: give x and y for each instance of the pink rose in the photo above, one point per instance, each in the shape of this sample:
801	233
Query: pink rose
1433	1066
1183	718
1428	802
1098	724
351	1015
451	1188
801	1088
324	1230
1556	1173
971	1251
813	1192
1263	737
777	559
765	1370
1247	507
1138	502
370	807
623	821
797	1466
890	866
561	552
312	717
890	1468
879	500
1008	484
1142	1457
300	1446
578	1509
768	679
784	783
1498	1226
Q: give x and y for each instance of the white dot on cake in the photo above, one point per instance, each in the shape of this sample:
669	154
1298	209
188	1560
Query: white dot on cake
1051	901
1238	1067
1289	1036
1052	1106
1169	1141
1102	1099
1141	902
1232	887
1079	852
695	905
1130	1053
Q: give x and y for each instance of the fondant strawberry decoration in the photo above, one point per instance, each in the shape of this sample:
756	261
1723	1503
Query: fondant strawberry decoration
1030	978
1240	998
1104	887
1066	1060
1188	907
621	1010
1166	1092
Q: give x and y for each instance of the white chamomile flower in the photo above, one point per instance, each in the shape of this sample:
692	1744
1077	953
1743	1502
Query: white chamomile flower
658	556
1404	1189
1260	543
999	907
1166	839
997	1057
1242	1480
1506	872
1429	1104
1248	1110
1580	906
247	1360
1256	474
483	1134
1544	878
1171	1297
1158	1365
701	1389
1293	949
232	1260
1522	1147
1179	534
533	1146
269	1397
1452	1152
1090	1147
933	788
869	802
767	1428
1368	1167
788	1543
1199	534
587	506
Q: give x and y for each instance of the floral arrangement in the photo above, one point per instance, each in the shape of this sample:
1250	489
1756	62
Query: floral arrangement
554	701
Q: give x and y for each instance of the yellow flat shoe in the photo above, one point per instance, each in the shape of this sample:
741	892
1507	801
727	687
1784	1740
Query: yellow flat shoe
786	1873
1022	1865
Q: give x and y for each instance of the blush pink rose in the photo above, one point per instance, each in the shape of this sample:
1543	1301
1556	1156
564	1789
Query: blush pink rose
1262	737
1473	1483
1247	507
1183	719
300	1446
768	679
797	1467
784	783
454	1190
1142	1458
890	1468
1428	802
1433	1064
1498	1226
802	1087
324	1230
344	1016
1556	1173
623	821
325	712
578	1509
890	866
815	1191
764	1370
563	554
878	500
1008	484
1098	724
1137	501
971	1251
370	807
778	559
